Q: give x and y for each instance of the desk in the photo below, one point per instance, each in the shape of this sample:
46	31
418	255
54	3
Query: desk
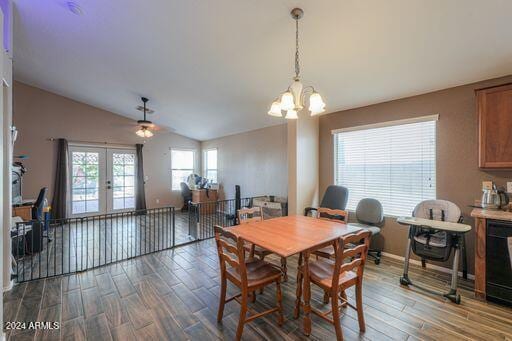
287	236
24	212
204	196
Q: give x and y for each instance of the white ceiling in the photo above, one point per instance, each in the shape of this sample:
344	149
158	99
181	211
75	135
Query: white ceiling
211	68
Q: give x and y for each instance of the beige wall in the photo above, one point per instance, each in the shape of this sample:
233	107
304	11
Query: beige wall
458	177
255	160
303	163
39	115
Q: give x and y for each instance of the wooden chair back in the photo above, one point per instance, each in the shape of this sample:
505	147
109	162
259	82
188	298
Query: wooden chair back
231	252
250	215
353	247
332	214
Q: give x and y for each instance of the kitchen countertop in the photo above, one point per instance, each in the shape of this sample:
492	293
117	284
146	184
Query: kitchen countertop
491	214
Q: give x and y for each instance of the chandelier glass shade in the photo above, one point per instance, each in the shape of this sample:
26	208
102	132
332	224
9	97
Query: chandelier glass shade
292	101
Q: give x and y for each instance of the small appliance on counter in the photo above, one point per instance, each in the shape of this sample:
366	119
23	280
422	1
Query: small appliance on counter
492	197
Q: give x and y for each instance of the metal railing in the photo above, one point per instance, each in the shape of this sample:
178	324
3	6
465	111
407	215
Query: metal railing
205	215
59	247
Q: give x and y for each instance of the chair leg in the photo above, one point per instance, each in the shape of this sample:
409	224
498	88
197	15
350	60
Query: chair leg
253	296
279	298
222	302
343	294
284	268
336	317
262	257
296	312
243	315
326	297
359	304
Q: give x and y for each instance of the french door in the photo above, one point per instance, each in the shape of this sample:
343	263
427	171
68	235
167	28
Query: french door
103	180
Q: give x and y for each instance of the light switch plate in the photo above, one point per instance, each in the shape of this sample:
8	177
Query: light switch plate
509	187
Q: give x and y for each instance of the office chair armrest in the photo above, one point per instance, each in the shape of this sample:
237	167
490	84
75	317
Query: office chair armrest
309	209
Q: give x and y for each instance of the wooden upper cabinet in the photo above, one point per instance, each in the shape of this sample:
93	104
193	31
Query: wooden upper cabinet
494	106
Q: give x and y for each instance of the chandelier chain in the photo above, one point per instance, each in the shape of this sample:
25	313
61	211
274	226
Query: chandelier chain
297	65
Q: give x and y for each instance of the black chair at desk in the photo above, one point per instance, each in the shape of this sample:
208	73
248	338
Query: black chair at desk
186	193
34	237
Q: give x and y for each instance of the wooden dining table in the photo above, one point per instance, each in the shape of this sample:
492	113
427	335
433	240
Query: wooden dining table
290	235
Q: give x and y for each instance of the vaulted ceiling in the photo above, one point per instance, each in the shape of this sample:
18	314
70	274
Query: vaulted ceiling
212	68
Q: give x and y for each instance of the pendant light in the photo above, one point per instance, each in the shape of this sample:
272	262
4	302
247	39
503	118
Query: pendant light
145	125
292	100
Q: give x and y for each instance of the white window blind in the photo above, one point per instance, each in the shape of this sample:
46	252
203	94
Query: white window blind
394	164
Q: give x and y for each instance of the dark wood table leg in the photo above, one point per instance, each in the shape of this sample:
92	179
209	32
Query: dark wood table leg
298	296
307	296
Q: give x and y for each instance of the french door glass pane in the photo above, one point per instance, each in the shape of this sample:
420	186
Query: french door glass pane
85	183
123	173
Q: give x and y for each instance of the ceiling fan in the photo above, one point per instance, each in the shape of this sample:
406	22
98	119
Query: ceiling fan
145	126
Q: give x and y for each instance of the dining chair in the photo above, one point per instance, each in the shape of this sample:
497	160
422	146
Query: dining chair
255	214
335	276
248	276
331	215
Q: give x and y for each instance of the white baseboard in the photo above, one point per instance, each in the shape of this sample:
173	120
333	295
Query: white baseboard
429	265
10	286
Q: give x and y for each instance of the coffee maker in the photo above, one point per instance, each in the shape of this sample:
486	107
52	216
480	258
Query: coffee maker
494	198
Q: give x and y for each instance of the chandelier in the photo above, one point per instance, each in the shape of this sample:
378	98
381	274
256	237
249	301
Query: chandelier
293	99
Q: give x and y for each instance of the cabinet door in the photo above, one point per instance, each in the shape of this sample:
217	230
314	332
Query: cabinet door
494	107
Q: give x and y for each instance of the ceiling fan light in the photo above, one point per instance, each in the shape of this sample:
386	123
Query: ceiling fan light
275	109
316	104
291	115
287	102
144	132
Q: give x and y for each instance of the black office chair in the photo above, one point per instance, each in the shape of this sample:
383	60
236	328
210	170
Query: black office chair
34	238
335	198
38	208
186	193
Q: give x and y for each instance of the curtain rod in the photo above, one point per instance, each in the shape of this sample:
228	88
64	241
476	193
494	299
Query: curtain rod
95	144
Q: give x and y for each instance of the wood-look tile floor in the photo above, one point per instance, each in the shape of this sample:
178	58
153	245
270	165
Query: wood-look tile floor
173	295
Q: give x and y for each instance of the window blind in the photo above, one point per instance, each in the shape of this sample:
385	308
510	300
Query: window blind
394	164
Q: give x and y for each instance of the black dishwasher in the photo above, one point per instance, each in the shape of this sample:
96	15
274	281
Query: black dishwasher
498	266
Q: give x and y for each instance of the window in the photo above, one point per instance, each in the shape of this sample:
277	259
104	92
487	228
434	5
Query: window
210	165
182	165
394	163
